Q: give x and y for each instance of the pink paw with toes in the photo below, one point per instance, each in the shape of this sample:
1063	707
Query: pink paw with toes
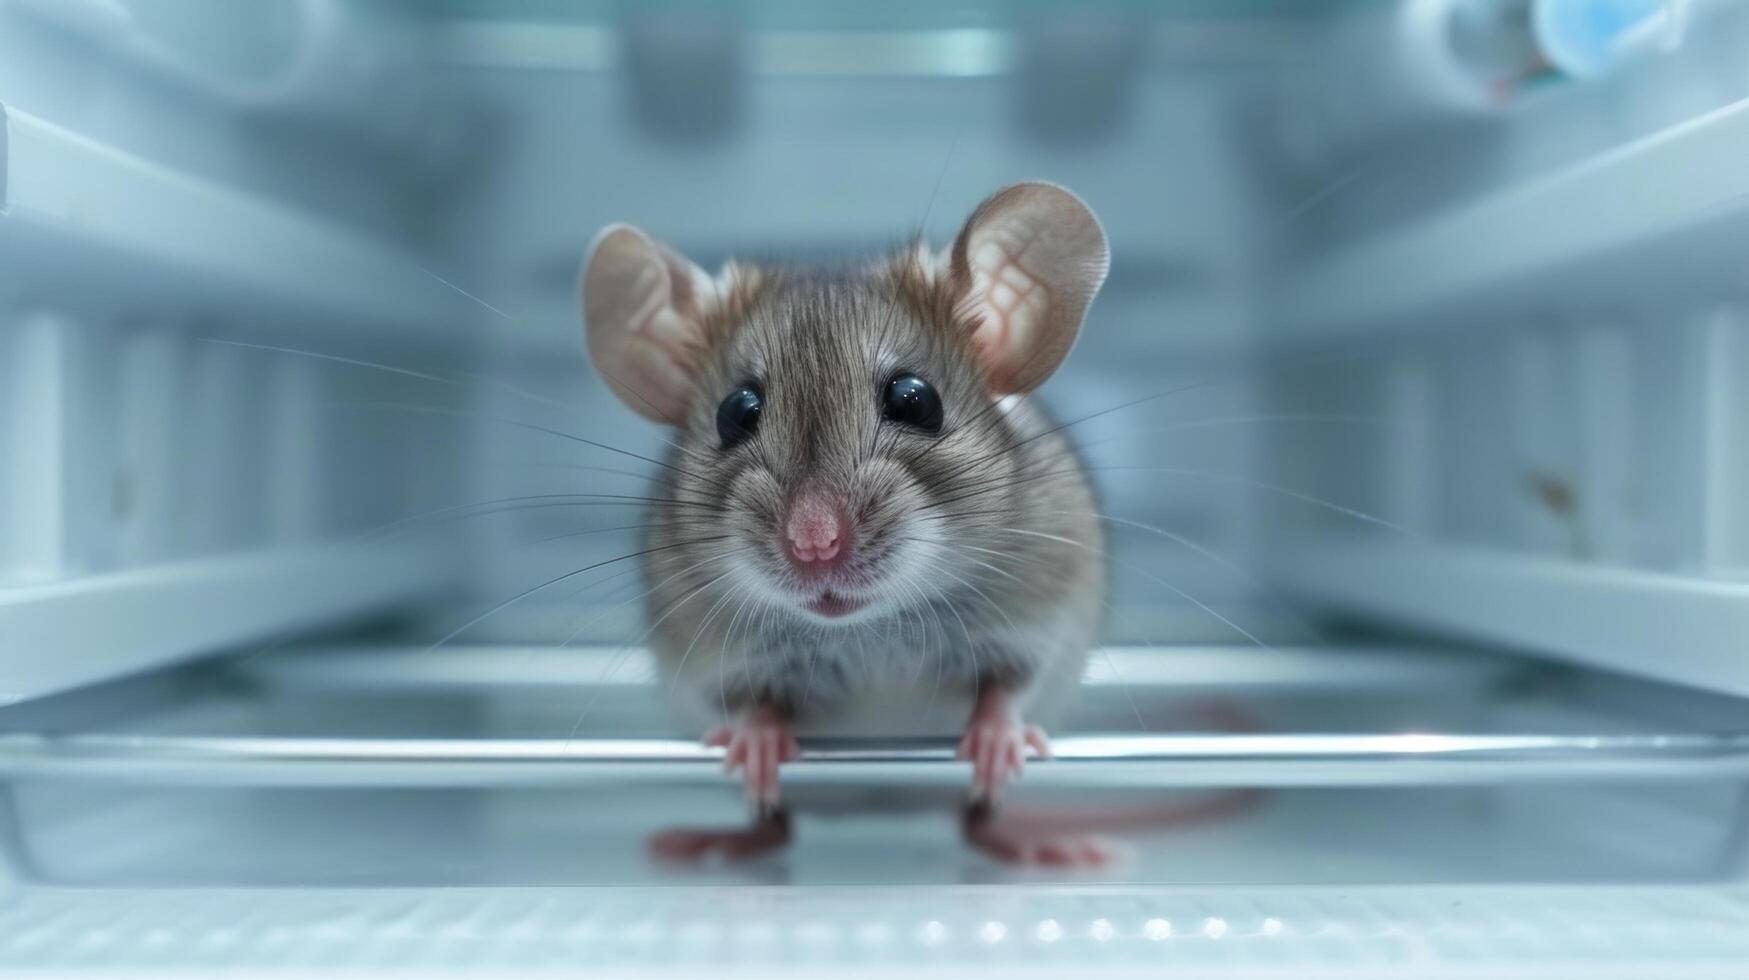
756	745
996	745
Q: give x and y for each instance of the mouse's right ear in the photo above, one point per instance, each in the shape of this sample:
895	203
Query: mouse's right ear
644	311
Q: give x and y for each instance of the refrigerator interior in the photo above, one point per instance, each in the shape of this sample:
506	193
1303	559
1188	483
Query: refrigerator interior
1416	400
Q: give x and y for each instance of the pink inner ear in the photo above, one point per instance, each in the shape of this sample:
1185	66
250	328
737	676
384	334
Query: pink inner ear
642	305
654	379
1012	300
1027	263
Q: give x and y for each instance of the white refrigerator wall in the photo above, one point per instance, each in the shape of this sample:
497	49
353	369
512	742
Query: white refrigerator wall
192	457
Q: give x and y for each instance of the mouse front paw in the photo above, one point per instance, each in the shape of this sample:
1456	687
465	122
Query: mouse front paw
755	745
996	744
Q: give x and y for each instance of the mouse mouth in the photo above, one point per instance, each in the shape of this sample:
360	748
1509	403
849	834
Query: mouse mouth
835	605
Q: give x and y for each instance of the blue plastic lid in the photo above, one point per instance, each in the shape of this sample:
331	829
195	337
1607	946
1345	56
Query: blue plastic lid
1584	38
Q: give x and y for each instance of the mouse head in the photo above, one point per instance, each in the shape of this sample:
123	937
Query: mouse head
854	424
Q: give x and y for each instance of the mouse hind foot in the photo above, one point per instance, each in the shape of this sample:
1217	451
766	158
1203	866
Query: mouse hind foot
1015	840
769	831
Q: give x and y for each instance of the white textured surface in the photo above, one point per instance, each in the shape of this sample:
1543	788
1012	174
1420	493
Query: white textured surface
1662	932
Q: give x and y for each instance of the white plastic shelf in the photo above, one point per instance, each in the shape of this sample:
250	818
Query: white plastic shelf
61	635
84	221
304	728
1669	627
1093	762
1668	209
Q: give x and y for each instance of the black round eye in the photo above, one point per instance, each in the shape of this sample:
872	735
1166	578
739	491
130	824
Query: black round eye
738	415
912	401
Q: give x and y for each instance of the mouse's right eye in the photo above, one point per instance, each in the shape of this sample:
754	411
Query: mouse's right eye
738	415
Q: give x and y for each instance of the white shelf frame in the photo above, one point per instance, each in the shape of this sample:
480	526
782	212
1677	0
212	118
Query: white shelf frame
1686	630
87	222
90	232
1665	209
58	636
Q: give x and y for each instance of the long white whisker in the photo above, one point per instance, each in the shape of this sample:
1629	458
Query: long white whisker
937	508
647	592
632	644
752	596
479	379
1034	589
1204	551
703	624
940	626
1284	491
335	358
520	596
1319	196
1241	420
469	295
964	629
1152	577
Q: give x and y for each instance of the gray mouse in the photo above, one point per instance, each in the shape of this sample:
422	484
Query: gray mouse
863	527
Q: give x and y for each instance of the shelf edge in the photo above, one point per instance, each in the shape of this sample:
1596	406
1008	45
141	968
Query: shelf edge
1686	630
62	635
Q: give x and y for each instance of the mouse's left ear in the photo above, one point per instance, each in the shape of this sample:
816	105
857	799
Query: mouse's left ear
1024	270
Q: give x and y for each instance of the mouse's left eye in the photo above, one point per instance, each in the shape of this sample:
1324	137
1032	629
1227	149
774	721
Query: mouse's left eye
738	415
912	401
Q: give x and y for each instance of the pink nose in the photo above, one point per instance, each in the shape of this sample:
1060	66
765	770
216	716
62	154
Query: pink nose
818	533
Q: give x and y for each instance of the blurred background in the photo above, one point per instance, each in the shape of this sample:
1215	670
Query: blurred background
1418	395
